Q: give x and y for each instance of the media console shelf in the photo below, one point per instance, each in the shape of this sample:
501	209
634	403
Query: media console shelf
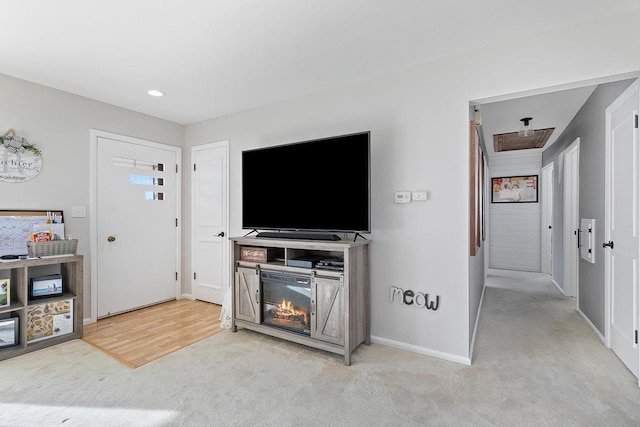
325	305
38	326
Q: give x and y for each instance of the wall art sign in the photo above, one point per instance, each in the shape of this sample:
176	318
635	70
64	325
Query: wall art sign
20	161
418	299
514	189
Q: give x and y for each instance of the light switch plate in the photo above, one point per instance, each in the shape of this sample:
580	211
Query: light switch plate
78	211
419	196
403	196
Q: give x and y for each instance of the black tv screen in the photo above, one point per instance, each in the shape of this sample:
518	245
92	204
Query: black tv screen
318	185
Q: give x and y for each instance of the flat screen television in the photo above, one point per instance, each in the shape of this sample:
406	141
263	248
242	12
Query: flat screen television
321	185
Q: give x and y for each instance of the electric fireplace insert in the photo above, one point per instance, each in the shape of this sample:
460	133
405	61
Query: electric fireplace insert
286	301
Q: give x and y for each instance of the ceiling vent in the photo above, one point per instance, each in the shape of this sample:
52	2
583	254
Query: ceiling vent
512	142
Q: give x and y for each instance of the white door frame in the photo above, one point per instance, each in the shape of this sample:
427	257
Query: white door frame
225	266
571	219
547	216
94	134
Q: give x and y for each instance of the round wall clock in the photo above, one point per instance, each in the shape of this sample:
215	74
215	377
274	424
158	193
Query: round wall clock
19	160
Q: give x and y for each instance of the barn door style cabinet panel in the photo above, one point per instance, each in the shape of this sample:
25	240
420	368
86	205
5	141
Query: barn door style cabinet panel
40	312
310	292
247	294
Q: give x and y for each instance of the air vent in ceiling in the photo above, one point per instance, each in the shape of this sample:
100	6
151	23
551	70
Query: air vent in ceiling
512	142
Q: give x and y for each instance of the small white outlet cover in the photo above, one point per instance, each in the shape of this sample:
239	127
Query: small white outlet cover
403	197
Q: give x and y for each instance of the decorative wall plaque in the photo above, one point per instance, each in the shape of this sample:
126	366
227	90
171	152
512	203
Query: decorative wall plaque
19	160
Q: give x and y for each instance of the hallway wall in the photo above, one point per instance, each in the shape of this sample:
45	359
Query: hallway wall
515	227
589	125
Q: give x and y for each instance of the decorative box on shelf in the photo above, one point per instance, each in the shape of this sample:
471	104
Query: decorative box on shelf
49	320
51	248
249	253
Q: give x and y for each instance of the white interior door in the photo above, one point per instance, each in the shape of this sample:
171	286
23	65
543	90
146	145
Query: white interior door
136	233
571	218
621	222
210	246
546	189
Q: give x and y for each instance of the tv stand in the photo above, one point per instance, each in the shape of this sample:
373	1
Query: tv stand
339	311
298	235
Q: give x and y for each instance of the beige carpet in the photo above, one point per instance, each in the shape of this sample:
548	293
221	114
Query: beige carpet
536	364
144	335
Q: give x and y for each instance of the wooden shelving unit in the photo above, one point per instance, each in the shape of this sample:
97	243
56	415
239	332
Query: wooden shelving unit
20	273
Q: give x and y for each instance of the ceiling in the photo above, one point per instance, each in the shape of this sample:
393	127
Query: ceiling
216	57
550	110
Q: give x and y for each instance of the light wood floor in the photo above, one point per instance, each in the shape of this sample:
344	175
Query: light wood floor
140	336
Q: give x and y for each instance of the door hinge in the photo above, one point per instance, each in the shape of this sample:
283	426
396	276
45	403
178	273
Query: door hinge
176	275
176	168
636	121
636	336
194	167
194	276
176	222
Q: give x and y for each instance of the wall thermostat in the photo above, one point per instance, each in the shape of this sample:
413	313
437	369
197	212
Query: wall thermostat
403	196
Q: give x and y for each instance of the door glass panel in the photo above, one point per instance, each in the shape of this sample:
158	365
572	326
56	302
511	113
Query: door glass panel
123	163
145	180
138	164
153	195
149	166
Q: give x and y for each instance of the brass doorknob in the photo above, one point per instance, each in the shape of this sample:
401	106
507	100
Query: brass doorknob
111	239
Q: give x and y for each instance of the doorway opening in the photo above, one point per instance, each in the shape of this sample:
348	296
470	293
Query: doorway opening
565	159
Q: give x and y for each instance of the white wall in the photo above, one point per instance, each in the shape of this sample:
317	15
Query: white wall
58	123
515	227
419	124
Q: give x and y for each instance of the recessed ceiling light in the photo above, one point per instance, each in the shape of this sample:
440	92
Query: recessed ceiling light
154	92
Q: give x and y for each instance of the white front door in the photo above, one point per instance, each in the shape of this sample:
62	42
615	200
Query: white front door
210	245
571	218
546	189
136	223
621	226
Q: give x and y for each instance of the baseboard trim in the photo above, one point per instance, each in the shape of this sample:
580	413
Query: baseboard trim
591	325
87	321
421	350
187	296
475	327
557	286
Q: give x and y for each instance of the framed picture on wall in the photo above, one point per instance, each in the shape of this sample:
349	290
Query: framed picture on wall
514	189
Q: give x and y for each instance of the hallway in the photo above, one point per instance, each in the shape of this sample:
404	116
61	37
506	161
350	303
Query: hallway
547	356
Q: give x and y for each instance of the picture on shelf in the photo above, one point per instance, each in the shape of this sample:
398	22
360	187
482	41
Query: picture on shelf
5	292
9	332
45	286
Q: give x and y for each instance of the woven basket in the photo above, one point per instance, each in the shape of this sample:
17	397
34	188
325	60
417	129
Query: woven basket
54	247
